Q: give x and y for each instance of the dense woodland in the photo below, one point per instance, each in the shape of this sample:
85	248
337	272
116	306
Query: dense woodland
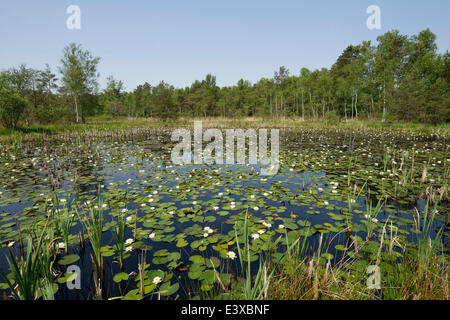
398	78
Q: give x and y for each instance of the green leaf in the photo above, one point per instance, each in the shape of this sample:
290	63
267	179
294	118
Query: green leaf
182	243
122	276
212	262
69	259
166	289
208	276
197	259
327	256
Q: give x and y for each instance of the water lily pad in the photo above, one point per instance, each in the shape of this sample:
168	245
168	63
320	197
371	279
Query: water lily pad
167	289
69	259
122	276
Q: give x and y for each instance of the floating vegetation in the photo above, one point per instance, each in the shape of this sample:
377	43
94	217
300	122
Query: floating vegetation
140	227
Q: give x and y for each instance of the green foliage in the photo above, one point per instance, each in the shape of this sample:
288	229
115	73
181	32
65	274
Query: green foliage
79	75
12	106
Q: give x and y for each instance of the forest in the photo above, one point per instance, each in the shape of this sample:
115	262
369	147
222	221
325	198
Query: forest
399	78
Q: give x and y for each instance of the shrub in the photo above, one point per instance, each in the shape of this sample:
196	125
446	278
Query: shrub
12	106
332	116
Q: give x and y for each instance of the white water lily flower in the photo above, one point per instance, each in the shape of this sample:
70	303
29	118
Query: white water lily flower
268	225
206	228
255	236
252	196
124	210
231	255
261	231
143	205
129	241
104	205
129	248
130	218
10	244
326	203
152	235
206	234
194	202
255	208
61	245
281	226
216	208
157	280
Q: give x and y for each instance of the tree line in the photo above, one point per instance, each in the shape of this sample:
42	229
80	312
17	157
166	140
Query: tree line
397	78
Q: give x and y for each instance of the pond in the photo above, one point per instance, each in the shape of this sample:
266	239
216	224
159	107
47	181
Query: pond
182	224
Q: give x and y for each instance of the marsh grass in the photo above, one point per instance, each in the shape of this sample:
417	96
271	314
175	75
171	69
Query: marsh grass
409	270
93	224
123	126
26	282
257	288
119	236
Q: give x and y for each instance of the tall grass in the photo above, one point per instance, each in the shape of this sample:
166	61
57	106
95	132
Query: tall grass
119	235
26	273
93	225
257	288
408	270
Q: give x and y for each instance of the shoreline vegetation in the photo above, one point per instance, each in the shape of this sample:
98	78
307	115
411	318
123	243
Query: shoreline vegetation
123	123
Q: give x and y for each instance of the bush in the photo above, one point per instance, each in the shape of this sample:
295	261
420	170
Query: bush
332	116
46	114
12	106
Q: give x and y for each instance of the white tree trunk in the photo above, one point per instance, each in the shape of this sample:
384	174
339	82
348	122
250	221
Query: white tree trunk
76	108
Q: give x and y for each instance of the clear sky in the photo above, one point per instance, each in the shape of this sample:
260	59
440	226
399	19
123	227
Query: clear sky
181	41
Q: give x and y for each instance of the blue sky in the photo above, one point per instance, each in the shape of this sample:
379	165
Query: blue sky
181	41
